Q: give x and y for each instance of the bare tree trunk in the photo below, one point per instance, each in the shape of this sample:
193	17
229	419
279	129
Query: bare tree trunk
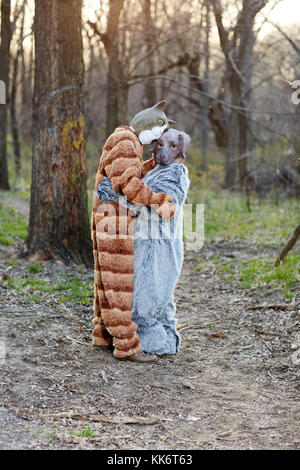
123	92
117	107
237	49
231	151
4	77
13	115
111	101
59	224
205	123
150	85
29	86
13	94
117	83
116	98
22	54
89	120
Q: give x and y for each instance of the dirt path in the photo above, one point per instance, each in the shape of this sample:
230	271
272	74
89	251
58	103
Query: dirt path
233	384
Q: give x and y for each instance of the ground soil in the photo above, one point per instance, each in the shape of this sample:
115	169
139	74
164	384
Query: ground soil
233	385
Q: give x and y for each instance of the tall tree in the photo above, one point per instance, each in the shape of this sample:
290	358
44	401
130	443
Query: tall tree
14	86
4	77
117	83
237	46
150	40
58	225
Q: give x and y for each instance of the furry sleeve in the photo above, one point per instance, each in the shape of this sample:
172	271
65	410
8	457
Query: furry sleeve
123	166
172	179
148	165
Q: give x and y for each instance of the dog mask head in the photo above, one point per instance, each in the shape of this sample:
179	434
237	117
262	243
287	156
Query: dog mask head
171	147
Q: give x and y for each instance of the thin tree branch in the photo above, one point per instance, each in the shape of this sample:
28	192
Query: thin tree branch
284	34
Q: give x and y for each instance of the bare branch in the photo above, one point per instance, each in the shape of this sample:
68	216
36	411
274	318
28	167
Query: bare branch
223	32
284	34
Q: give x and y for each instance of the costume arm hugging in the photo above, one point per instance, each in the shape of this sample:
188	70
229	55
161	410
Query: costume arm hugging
122	163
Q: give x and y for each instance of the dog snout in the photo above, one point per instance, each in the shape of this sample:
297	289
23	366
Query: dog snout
163	153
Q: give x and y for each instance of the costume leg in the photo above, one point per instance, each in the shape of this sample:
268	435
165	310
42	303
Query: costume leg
167	319
101	336
116	253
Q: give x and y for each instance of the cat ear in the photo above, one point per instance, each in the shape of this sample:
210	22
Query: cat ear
161	105
171	123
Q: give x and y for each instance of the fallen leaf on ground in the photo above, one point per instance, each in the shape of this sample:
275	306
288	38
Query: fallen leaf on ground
216	335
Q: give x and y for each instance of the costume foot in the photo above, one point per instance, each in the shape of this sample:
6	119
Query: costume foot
140	356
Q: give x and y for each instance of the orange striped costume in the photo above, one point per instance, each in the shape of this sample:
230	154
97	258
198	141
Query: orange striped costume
121	161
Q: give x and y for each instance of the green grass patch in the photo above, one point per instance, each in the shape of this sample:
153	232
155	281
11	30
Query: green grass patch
259	272
226	216
256	272
86	432
12	226
70	289
13	262
26	283
34	268
76	290
198	268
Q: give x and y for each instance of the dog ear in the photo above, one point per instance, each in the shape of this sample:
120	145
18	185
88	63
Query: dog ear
185	141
